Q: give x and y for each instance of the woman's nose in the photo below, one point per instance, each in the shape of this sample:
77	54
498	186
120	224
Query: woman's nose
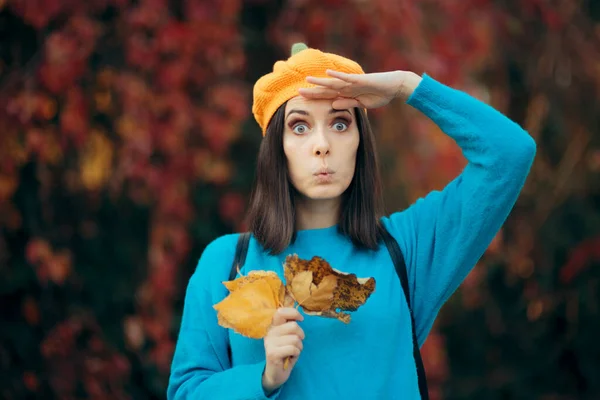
321	146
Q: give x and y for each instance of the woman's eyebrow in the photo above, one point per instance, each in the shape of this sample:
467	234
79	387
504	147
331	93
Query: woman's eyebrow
333	111
295	111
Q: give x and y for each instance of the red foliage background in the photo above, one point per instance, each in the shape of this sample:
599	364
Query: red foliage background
127	144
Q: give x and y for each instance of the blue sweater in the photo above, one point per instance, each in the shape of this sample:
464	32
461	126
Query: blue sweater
442	236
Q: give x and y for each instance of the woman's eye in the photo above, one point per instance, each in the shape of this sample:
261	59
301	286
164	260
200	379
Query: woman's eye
300	129
340	126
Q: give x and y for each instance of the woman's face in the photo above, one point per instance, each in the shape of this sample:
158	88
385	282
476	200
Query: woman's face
320	145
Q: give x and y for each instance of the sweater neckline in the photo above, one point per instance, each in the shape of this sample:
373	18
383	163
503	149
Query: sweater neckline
316	234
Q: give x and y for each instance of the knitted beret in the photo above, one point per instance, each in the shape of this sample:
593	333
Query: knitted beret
277	87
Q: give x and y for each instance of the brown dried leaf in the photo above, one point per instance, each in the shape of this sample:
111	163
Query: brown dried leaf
299	286
311	296
328	291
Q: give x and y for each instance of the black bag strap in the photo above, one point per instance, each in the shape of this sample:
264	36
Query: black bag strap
399	264
241	250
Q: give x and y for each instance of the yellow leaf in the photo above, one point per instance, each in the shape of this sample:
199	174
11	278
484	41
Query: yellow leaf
96	161
8	185
251	303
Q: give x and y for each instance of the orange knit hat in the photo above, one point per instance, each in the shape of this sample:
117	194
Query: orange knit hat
277	87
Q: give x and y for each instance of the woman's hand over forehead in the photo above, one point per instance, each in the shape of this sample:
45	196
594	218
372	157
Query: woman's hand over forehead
362	90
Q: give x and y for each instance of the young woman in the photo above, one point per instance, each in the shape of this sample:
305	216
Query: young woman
317	193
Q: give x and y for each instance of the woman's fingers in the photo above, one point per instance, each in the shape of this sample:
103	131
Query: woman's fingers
339	101
319	93
284	314
345	103
341	91
351	78
288	340
279	354
342	88
289	328
332	83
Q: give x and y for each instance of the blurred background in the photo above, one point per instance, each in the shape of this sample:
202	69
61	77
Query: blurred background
127	144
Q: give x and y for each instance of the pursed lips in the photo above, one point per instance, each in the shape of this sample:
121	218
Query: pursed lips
324	175
324	172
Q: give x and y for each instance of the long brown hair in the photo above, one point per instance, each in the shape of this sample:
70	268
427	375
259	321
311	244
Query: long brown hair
271	213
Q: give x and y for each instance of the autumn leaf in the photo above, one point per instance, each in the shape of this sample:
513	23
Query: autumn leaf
8	185
96	161
251	303
311	296
321	290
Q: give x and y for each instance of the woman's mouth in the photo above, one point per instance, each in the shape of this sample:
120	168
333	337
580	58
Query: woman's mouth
324	176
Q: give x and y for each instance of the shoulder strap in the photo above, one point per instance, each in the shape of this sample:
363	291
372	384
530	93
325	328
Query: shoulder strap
241	249
400	265
240	254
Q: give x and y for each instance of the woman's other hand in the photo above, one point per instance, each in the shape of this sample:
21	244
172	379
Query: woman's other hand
362	90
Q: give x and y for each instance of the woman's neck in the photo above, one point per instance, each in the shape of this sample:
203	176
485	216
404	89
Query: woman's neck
315	214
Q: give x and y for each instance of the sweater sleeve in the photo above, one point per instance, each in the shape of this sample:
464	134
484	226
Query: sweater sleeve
201	368
444	234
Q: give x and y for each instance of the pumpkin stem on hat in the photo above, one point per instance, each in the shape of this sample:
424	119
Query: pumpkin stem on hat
298	47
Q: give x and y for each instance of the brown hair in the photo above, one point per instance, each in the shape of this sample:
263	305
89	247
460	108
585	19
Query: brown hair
271	214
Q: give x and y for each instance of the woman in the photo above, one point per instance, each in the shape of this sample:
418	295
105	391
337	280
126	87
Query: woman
317	193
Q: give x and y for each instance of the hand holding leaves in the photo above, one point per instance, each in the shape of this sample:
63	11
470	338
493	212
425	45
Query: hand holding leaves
316	287
254	300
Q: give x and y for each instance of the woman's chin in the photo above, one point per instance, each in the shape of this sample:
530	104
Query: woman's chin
324	192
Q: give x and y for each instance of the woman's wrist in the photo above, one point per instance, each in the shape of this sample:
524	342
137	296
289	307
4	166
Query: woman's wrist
407	83
268	387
